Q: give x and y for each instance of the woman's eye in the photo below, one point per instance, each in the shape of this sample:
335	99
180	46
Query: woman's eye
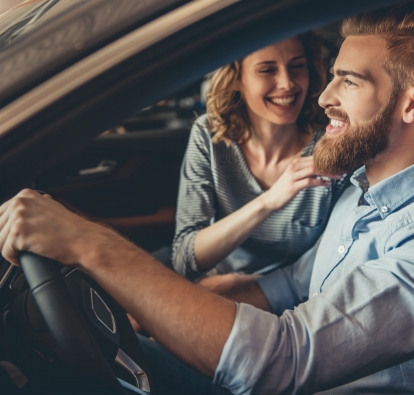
267	71
298	66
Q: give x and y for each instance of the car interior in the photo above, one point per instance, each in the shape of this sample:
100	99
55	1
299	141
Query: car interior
111	150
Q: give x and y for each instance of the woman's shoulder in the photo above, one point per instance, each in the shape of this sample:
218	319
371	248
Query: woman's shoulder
200	130
201	133
200	125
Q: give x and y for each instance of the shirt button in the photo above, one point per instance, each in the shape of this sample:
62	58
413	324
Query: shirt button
315	294
341	249
384	209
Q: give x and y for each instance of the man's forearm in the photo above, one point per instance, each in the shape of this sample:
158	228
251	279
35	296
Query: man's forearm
189	321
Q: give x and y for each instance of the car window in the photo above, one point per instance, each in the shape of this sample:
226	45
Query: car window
40	37
23	18
180	110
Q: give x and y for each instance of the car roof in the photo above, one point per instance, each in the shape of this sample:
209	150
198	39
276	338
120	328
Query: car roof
40	38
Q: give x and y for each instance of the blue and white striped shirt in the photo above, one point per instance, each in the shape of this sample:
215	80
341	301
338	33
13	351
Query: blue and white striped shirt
216	181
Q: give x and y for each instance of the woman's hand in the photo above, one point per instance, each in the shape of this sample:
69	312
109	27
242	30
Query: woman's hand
223	283
215	242
300	174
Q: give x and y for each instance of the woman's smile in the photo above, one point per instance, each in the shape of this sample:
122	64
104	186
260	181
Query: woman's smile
284	102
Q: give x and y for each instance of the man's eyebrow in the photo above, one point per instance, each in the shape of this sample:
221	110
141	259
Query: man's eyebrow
344	73
291	60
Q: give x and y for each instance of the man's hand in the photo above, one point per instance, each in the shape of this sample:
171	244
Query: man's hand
189	321
29	221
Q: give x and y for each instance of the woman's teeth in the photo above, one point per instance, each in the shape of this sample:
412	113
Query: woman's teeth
282	101
337	124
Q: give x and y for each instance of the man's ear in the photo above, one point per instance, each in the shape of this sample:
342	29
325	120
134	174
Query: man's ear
408	109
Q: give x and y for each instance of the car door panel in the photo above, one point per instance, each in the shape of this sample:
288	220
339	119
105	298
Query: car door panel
128	181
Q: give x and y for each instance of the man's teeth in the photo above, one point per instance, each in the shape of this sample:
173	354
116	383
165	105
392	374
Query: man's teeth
283	101
337	124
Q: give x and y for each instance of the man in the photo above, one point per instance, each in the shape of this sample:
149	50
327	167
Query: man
356	331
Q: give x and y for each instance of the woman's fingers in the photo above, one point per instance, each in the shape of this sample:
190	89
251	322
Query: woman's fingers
310	183
301	162
306	172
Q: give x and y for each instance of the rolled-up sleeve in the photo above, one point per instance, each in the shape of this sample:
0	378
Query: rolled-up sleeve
361	325
196	199
287	287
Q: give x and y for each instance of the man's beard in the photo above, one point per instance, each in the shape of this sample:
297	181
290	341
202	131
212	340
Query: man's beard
356	145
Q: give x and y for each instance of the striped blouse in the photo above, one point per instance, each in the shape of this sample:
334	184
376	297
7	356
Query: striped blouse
216	181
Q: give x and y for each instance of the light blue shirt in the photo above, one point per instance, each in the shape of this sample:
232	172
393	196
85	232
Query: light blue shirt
343	313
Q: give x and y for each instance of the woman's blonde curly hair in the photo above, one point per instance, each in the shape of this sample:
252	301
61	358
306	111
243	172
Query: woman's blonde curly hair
228	119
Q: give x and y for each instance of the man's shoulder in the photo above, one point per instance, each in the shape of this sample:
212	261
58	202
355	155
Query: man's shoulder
399	225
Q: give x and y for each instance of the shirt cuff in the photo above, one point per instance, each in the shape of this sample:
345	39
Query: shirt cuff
247	350
278	292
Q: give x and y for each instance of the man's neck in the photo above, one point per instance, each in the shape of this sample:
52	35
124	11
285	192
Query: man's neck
398	156
389	163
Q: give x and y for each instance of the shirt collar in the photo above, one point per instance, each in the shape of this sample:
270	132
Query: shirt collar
389	194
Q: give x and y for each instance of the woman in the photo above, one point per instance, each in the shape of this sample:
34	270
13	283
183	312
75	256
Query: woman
249	199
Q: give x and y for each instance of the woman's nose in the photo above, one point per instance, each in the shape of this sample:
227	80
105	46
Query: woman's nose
284	80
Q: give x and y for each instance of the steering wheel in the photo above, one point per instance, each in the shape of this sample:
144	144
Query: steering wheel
79	314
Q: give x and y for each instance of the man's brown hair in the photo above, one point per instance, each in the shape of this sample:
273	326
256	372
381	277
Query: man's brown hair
396	25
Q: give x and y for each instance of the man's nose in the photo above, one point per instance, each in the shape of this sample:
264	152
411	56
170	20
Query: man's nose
328	97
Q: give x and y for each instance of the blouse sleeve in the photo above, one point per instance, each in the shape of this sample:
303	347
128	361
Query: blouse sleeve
196	199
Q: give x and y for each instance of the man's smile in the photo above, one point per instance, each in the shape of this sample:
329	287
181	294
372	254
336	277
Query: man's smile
335	126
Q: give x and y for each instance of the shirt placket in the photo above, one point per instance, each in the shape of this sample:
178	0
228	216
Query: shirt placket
346	240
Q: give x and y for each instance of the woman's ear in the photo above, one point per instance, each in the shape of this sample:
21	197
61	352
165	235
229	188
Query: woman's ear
408	110
236	85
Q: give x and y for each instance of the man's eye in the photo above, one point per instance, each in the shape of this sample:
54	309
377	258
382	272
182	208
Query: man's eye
349	82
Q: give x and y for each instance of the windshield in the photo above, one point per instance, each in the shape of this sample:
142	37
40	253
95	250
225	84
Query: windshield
28	15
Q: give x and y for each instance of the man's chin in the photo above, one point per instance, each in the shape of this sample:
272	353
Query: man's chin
330	159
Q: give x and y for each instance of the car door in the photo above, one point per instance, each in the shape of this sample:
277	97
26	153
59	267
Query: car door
128	181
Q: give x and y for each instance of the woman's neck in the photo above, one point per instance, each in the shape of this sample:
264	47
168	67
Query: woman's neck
275	143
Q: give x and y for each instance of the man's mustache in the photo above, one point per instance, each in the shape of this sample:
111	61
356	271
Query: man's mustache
337	114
